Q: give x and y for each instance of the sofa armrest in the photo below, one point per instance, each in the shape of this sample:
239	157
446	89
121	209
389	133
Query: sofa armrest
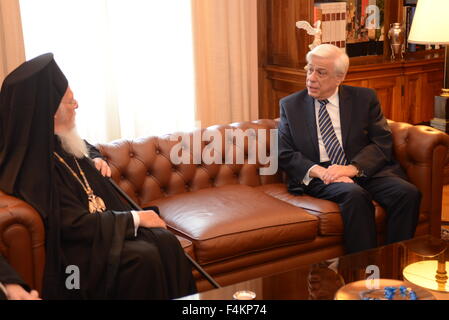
422	151
22	239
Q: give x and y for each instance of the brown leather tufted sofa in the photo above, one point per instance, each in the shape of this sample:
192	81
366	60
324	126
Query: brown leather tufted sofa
236	223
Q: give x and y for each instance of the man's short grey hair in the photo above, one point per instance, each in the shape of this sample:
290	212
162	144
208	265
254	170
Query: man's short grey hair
330	51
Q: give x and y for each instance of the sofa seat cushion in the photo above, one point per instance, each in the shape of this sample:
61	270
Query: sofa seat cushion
328	212
234	220
187	245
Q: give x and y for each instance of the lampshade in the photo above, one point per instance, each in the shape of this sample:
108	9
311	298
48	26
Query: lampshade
430	22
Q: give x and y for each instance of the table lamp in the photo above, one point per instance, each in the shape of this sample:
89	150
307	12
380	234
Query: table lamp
431	26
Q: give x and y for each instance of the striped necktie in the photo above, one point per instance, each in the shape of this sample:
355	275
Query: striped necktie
331	144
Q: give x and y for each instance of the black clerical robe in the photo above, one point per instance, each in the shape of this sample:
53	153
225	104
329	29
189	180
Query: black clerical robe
113	263
9	276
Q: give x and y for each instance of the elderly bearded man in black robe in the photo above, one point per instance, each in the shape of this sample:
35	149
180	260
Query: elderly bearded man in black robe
120	253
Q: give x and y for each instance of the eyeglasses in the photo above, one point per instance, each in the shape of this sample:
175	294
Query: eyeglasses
321	73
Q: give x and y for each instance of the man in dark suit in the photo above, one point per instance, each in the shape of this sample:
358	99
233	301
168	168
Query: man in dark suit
335	144
12	287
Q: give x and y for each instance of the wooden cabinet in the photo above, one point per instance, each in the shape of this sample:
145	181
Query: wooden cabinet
405	87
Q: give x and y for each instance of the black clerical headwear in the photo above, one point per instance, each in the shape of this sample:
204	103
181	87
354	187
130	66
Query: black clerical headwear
29	98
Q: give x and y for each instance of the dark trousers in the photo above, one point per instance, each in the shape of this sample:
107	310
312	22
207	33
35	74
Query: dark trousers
398	197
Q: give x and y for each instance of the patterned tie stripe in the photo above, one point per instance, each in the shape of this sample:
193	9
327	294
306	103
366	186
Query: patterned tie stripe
331	143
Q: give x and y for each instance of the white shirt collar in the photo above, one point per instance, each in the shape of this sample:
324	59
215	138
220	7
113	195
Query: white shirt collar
333	99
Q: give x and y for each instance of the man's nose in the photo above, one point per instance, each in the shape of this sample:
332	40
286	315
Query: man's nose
312	76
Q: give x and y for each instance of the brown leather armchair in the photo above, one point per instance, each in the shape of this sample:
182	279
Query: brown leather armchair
236	223
22	239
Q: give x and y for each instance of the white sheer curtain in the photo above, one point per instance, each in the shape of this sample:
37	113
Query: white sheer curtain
129	63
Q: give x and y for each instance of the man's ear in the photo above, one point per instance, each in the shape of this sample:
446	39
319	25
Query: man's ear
340	78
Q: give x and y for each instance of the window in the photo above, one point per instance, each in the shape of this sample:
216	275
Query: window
129	63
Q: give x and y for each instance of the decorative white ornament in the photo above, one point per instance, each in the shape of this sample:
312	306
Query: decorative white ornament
313	31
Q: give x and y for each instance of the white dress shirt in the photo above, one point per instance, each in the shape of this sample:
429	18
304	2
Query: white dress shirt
333	108
136	220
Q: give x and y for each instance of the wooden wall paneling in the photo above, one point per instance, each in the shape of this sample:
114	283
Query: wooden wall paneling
280	34
304	11
287	44
432	84
412	93
357	83
284	81
426	80
406	87
280	44
389	93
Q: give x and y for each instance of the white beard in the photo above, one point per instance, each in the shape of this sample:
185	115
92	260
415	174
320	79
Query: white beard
73	144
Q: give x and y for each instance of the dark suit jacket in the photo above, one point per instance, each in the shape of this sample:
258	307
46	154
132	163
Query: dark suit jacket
366	136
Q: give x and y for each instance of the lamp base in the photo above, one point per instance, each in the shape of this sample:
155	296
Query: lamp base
441	120
424	274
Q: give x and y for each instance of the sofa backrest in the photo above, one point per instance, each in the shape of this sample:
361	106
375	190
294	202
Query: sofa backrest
144	169
148	168
422	152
